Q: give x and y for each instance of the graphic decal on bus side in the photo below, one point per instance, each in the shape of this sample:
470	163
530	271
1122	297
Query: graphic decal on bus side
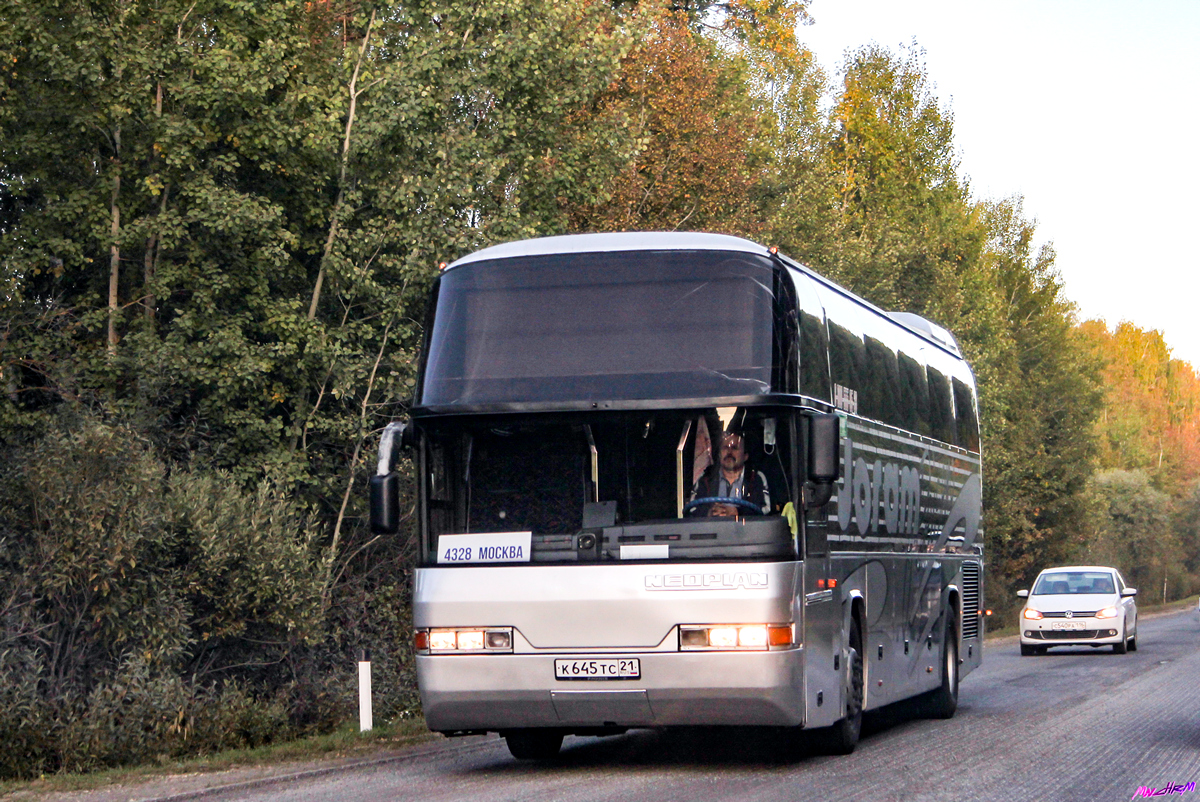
881	493
967	513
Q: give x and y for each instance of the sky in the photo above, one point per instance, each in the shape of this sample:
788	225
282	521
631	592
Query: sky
1089	110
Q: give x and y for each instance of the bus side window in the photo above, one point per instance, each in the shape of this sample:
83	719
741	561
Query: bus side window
884	380
968	424
914	395
847	362
941	406
814	341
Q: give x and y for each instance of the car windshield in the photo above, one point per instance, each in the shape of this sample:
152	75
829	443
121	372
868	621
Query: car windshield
1063	582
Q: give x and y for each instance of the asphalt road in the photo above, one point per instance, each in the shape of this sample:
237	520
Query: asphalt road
1070	725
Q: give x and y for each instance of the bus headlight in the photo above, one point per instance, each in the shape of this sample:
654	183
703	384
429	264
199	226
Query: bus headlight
734	637
472	640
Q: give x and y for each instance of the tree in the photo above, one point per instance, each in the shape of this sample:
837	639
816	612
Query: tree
286	182
1039	395
695	167
878	205
1152	400
886	213
1135	533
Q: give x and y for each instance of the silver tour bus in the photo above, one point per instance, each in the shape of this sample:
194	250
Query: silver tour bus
678	479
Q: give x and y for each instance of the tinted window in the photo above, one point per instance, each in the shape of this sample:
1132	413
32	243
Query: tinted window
847	354
814	341
964	411
883	379
914	395
627	325
941	406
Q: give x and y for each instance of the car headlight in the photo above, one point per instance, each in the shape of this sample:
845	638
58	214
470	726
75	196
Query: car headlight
1032	614
1107	612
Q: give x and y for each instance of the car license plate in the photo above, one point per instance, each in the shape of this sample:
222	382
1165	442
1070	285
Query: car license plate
1067	625
608	668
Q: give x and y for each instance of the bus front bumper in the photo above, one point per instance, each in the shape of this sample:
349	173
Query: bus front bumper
508	691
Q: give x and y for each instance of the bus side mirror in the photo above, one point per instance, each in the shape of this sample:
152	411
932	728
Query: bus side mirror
385	504
385	484
824	451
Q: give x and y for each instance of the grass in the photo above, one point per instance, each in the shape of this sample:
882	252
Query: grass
346	742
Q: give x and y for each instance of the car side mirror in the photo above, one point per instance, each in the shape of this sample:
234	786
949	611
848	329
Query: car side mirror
1129	592
1024	594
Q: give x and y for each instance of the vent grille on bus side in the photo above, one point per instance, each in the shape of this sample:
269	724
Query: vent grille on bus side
970	590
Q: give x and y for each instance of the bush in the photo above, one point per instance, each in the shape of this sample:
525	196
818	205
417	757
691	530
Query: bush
26	721
152	610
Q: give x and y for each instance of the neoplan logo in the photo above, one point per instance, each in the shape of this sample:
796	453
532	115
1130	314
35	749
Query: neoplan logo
724	581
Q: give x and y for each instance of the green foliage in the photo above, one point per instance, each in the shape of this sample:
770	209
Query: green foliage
25	718
1039	393
1134	533
879	206
1187	525
133	598
871	196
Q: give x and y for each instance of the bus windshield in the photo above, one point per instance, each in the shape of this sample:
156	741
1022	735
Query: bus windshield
619	326
616	486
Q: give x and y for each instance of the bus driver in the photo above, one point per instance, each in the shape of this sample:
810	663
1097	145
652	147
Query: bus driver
730	479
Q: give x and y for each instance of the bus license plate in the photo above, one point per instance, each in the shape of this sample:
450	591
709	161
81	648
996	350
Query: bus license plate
613	668
1067	625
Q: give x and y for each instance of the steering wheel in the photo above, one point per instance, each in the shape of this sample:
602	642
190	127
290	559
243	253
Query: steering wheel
749	506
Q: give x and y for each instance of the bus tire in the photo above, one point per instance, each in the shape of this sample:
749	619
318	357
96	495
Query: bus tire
942	702
843	736
533	744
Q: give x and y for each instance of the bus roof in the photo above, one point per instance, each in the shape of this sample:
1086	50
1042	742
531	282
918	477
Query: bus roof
622	241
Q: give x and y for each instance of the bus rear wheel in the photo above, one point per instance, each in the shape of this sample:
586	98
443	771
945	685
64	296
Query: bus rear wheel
533	744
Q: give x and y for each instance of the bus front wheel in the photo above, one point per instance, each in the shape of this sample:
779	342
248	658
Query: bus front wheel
943	702
533	744
844	734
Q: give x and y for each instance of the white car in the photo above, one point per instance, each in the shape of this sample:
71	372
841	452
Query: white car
1079	605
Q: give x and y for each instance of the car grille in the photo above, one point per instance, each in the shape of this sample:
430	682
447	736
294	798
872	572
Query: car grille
1074	614
1068	634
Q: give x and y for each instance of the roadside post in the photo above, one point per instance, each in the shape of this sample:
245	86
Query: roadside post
364	691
